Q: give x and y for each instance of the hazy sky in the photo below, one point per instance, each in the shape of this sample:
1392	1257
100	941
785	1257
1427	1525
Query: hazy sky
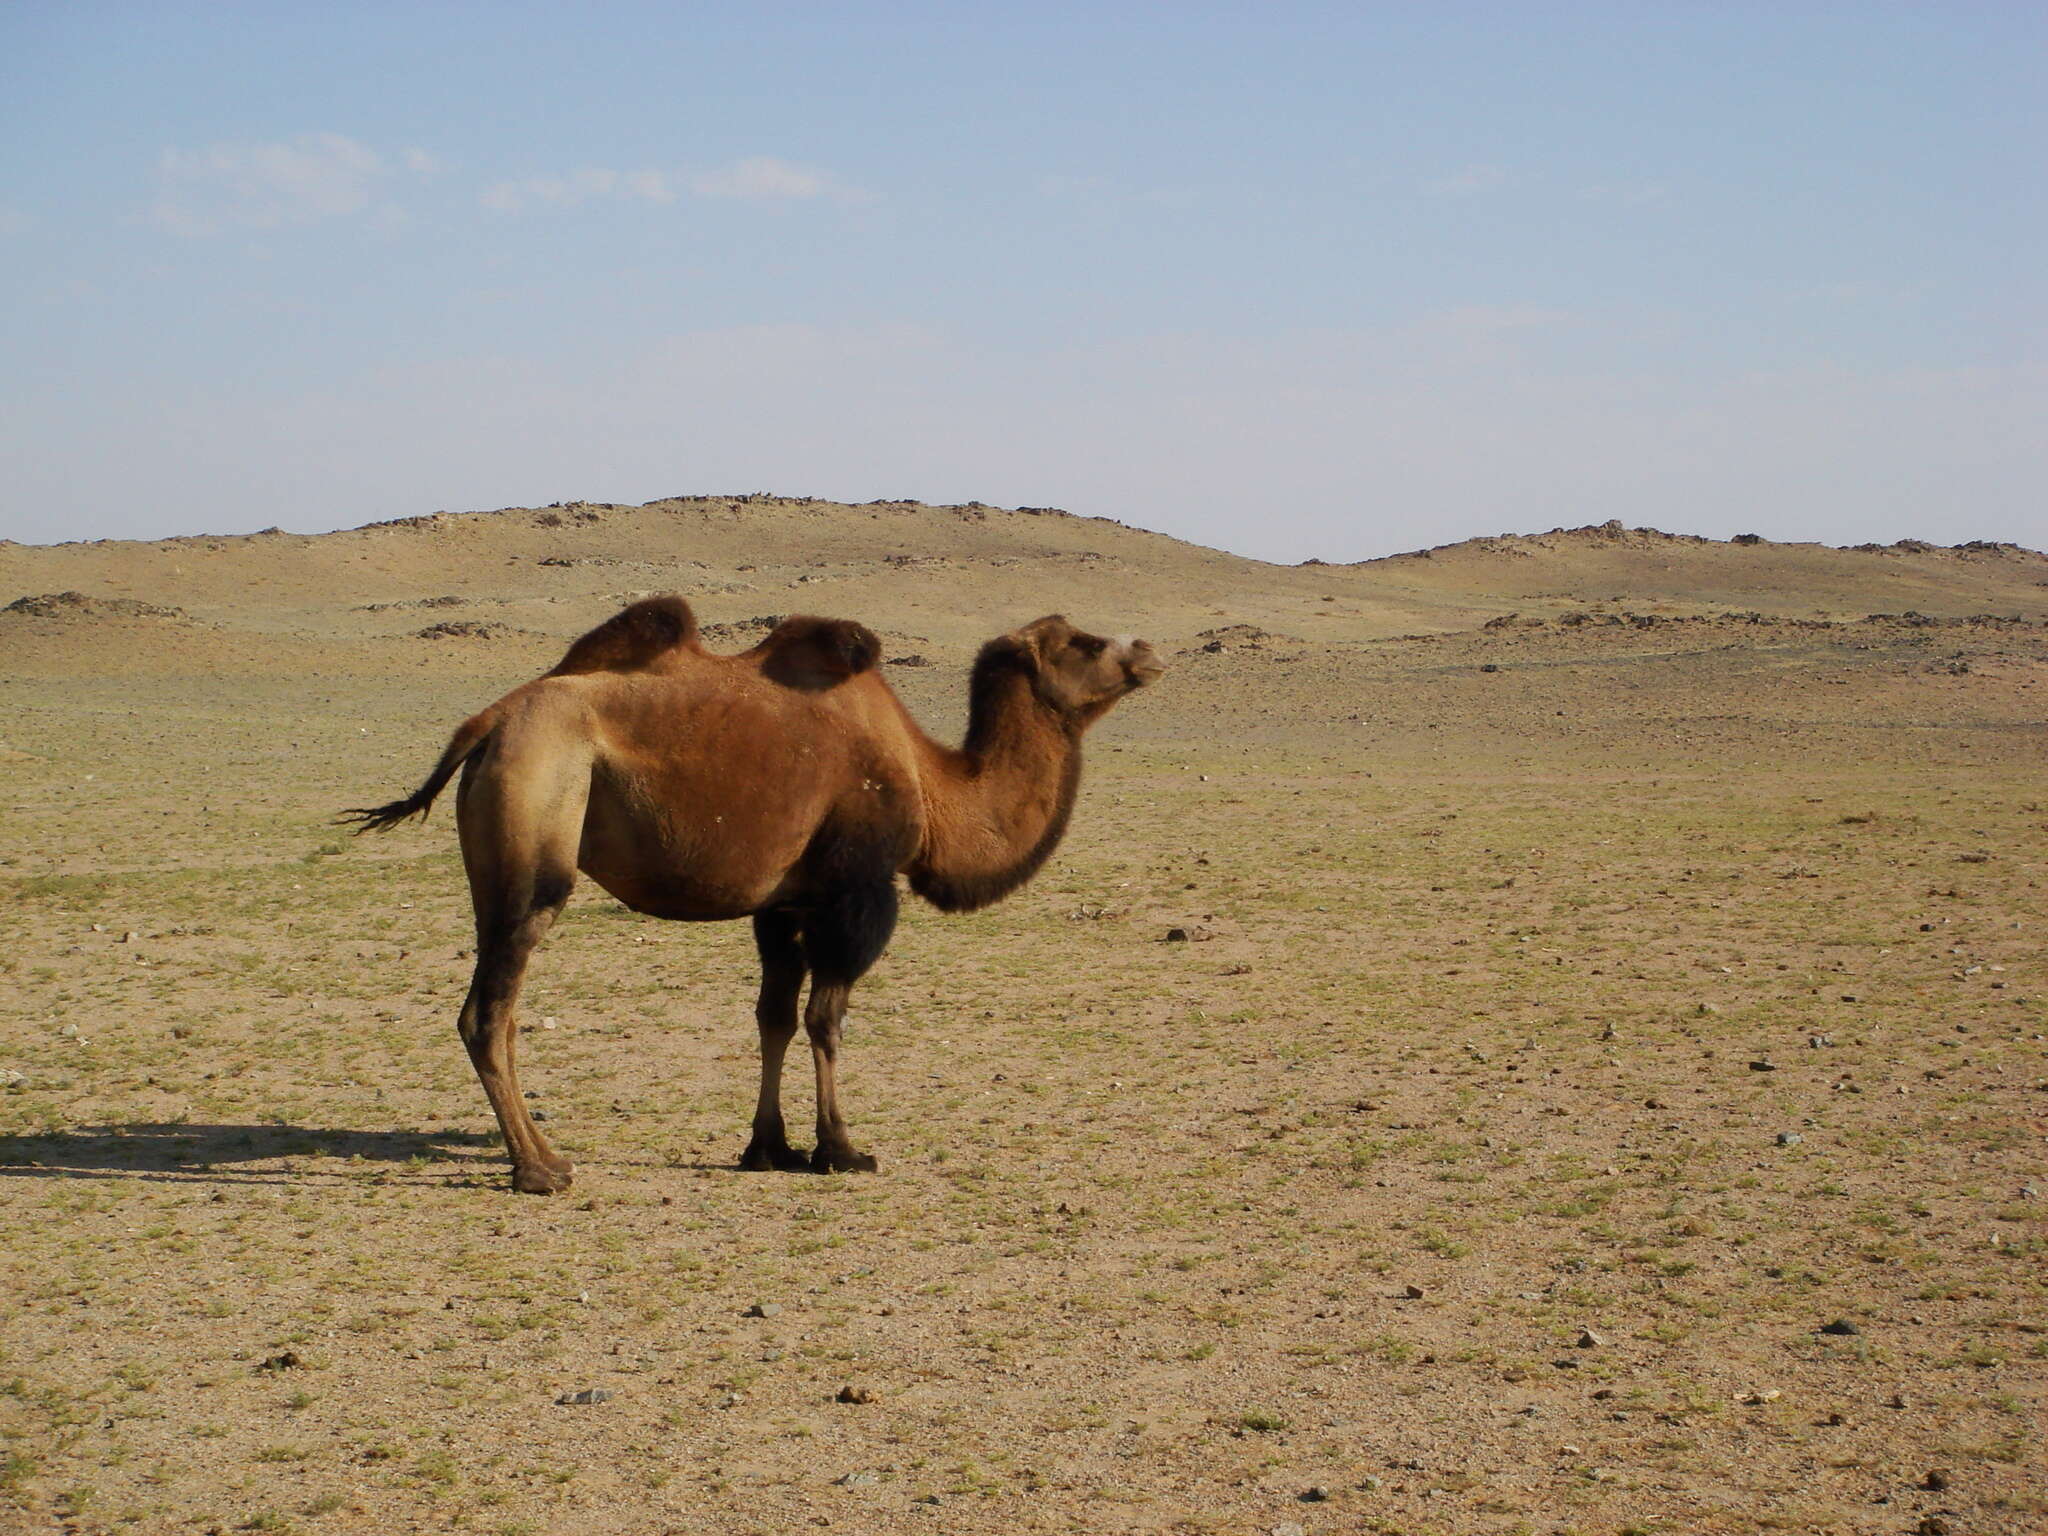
1295	280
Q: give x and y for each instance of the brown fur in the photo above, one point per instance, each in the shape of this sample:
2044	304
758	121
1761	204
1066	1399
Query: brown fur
644	637
787	784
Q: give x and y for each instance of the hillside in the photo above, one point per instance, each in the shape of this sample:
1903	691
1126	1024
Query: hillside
944	573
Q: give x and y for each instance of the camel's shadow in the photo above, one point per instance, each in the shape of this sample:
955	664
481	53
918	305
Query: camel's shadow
186	1152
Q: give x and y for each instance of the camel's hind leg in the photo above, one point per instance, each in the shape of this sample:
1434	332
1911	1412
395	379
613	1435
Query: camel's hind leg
845	936
782	985
520	832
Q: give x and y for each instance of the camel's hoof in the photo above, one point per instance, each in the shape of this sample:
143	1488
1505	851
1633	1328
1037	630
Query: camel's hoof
542	1180
772	1159
842	1160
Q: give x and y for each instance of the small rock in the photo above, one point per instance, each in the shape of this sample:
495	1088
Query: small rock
1588	1339
288	1361
1290	1528
1176	935
1818	1042
854	1392
1412	1292
1789	1138
765	1309
1315	1494
549	1022
1371	1484
858	1480
541	1114
1936	1480
1934	1525
1896	1400
1841	1327
586	1397
68	1030
1763	1064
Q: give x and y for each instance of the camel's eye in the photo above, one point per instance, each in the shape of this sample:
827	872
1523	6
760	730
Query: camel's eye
1090	646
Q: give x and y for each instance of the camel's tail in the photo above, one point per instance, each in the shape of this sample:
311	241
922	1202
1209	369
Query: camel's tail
467	738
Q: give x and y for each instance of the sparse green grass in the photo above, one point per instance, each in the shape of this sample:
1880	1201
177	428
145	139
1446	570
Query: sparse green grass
1189	1286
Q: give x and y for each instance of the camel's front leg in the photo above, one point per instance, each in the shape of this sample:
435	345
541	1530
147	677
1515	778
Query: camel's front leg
842	938
823	1017
782	984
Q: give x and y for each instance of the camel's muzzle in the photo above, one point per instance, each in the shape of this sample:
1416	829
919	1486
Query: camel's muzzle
1141	663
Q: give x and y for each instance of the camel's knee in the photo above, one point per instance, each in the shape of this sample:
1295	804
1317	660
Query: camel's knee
469	1023
849	931
824	1018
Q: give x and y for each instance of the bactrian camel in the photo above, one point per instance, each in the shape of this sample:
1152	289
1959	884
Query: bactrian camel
787	784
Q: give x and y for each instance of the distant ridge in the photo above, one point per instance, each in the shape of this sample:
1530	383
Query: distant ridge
945	574
1615	533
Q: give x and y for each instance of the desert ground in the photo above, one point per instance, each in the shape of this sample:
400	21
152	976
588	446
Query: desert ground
1597	1087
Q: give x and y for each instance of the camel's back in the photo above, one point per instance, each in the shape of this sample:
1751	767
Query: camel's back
804	719
716	789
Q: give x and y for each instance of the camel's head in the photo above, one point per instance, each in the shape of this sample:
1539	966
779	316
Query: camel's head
1081	674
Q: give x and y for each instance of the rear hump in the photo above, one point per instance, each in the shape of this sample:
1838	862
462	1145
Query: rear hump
636	639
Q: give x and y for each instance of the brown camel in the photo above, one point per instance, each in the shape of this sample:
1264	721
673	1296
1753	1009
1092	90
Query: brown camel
787	784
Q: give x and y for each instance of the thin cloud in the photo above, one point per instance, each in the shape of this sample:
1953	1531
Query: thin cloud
764	179
269	185
1501	319
1056	185
1627	194
757	179
592	184
1469	182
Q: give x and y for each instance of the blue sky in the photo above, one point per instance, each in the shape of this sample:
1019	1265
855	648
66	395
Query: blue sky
1289	279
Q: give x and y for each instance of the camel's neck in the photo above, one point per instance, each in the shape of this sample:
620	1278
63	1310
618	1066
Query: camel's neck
996	809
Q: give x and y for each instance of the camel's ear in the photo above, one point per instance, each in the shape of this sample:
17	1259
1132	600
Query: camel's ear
1038	639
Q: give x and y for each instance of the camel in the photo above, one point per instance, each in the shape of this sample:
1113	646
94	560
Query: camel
787	784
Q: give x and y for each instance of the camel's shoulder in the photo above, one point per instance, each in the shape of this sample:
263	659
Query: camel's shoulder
648	636
811	653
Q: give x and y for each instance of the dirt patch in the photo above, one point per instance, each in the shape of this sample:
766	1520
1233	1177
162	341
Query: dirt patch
464	629
76	605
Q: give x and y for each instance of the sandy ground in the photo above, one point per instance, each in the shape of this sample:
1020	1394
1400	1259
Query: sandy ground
1603	1090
